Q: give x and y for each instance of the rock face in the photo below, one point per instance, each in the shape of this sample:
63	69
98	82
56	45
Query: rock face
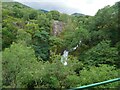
57	27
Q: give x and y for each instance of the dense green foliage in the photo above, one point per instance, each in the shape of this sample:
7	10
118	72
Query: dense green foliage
31	53
101	54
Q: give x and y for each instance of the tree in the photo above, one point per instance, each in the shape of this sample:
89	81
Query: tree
55	15
31	28
17	12
102	53
73	38
44	23
64	18
9	31
33	14
56	44
41	45
23	37
105	25
59	76
16	58
98	74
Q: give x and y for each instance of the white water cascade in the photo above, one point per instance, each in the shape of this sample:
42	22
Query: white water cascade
64	57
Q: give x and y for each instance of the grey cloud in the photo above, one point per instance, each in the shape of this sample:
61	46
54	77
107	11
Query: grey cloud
52	6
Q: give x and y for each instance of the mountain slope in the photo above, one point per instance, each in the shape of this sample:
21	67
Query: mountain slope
78	14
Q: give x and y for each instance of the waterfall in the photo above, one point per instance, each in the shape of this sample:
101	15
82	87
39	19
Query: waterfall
64	57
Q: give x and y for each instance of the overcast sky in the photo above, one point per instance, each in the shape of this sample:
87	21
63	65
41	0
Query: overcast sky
88	7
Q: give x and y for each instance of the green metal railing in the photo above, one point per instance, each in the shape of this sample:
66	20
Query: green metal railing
96	84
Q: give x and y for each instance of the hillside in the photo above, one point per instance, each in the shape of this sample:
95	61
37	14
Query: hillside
53	50
13	4
45	11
